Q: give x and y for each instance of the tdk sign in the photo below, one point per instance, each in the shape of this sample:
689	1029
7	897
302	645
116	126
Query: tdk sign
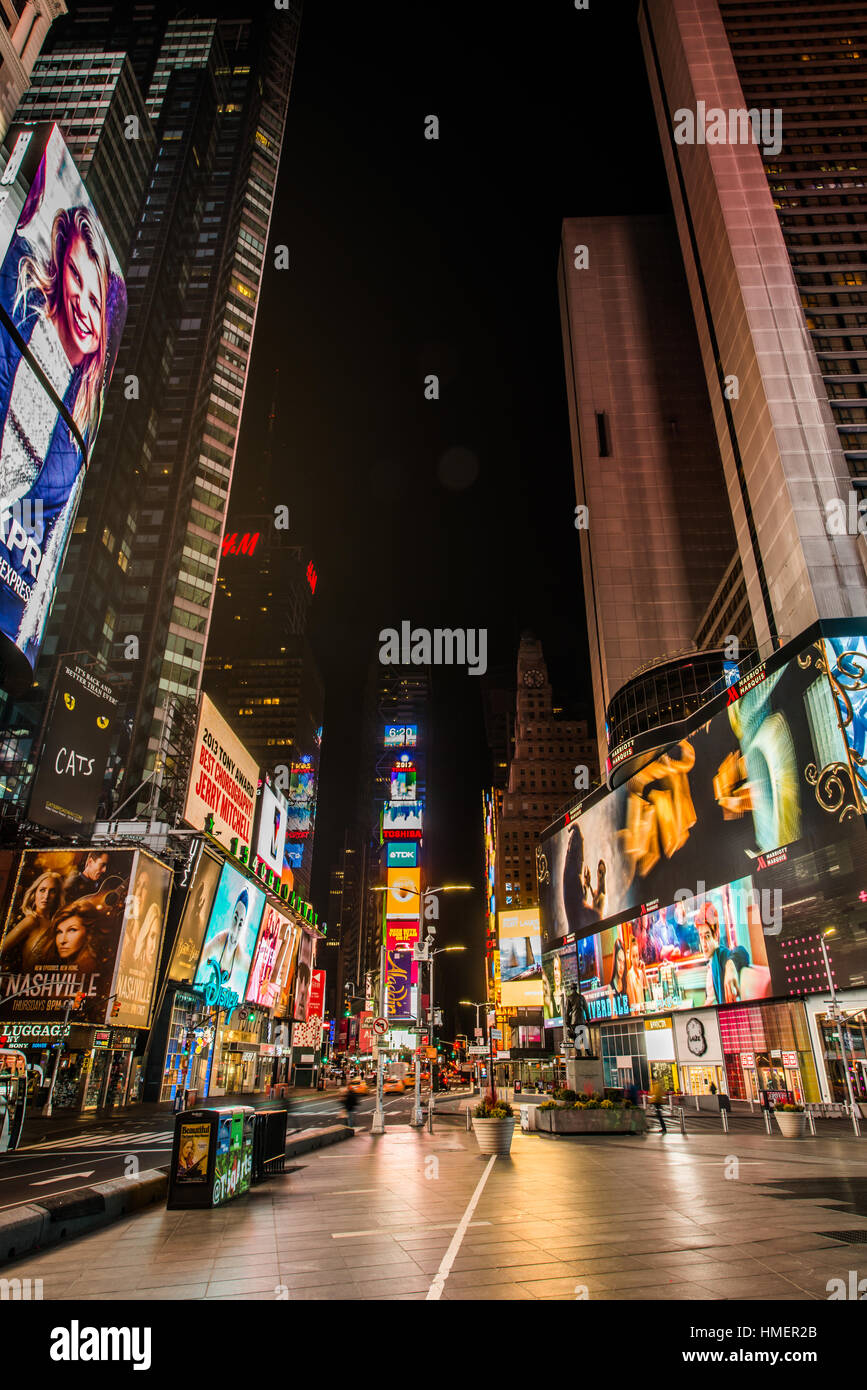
402	856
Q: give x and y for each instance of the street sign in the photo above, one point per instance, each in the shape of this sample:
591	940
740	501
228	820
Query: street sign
479	1032
497	1033
431	1052
477	1052
380	1026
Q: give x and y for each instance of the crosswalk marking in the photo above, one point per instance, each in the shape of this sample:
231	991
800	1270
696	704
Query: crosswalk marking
101	1139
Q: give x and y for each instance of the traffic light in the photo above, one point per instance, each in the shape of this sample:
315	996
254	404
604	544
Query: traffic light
115	1009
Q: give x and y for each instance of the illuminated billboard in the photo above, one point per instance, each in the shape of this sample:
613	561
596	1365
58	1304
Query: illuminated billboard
223	779
271	827
302	777
147	902
68	783
398	856
273	969
520	957
227	953
62	311
64	931
399	984
194	920
400	934
757	783
303	976
403	895
402	820
316	997
403	781
401	735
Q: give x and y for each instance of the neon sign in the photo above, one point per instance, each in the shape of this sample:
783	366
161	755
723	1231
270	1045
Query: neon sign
245	546
311	577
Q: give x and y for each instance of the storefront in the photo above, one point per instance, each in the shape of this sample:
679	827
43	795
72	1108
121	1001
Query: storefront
698	1045
189	1047
39	1042
236	1066
767	1048
841	1045
661	1055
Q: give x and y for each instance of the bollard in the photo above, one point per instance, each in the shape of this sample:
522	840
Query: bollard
469	1119
768	1122
697	1106
682	1121
856	1123
724	1115
811	1121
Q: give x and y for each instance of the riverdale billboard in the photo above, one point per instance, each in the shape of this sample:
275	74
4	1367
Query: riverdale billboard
62	311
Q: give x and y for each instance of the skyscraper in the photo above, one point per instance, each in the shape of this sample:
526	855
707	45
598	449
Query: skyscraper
653	518
138	587
24	26
769	207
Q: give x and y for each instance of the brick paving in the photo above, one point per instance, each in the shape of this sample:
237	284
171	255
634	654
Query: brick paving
622	1218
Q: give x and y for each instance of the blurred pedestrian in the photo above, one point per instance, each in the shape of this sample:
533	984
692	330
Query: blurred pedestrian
350	1100
656	1095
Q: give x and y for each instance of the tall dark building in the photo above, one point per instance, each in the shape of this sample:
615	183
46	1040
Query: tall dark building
138	586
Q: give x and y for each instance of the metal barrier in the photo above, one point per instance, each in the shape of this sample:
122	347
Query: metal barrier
724	1116
811	1121
269	1143
682	1121
768	1126
469	1118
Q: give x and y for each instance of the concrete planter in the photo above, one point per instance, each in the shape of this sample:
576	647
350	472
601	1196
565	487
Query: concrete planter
494	1136
792	1123
616	1121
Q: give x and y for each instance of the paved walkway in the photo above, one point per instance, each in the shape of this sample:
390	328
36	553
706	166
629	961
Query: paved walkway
414	1216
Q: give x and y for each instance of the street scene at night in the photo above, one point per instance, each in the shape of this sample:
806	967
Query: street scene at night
433	671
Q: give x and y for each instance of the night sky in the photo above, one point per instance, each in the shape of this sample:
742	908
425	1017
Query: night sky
410	257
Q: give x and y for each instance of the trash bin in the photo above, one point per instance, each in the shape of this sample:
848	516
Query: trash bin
528	1118
212	1156
320	1084
269	1143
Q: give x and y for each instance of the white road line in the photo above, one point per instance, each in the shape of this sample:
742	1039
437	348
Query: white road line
400	1230
442	1274
46	1182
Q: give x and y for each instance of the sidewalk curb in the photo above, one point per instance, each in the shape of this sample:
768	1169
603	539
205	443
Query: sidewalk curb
38	1225
28	1229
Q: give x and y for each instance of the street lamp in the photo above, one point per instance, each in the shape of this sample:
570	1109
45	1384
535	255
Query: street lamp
378	1121
841	1024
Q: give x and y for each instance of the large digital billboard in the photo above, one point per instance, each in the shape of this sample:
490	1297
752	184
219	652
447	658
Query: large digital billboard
62	311
754	782
302	790
271	827
303	976
223	779
227	953
520	957
398	856
401	735
403	894
68	783
63	932
147	902
403	781
402	820
194	919
273	970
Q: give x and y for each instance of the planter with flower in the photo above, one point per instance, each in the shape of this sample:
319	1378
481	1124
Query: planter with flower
592	1115
792	1120
493	1126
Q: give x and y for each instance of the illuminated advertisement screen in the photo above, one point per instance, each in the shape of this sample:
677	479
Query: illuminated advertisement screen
846	659
304	974
400	935
398	856
62	311
402	820
271	829
147	902
64	929
403	895
301	793
520	957
401	735
273	968
403	782
223	779
227	953
68	783
755	784
316	997
194	920
399	984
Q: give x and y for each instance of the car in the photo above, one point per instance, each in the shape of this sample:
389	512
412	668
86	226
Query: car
358	1085
393	1085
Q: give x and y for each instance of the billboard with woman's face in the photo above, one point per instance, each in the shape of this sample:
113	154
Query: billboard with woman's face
62	311
302	982
194	920
274	961
146	905
227	952
62	934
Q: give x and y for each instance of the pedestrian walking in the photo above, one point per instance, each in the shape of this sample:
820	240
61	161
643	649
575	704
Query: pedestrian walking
656	1094
350	1100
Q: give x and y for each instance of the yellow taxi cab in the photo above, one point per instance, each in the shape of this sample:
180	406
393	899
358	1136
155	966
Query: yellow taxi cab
393	1086
358	1085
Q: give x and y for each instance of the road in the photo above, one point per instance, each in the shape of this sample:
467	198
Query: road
79	1152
